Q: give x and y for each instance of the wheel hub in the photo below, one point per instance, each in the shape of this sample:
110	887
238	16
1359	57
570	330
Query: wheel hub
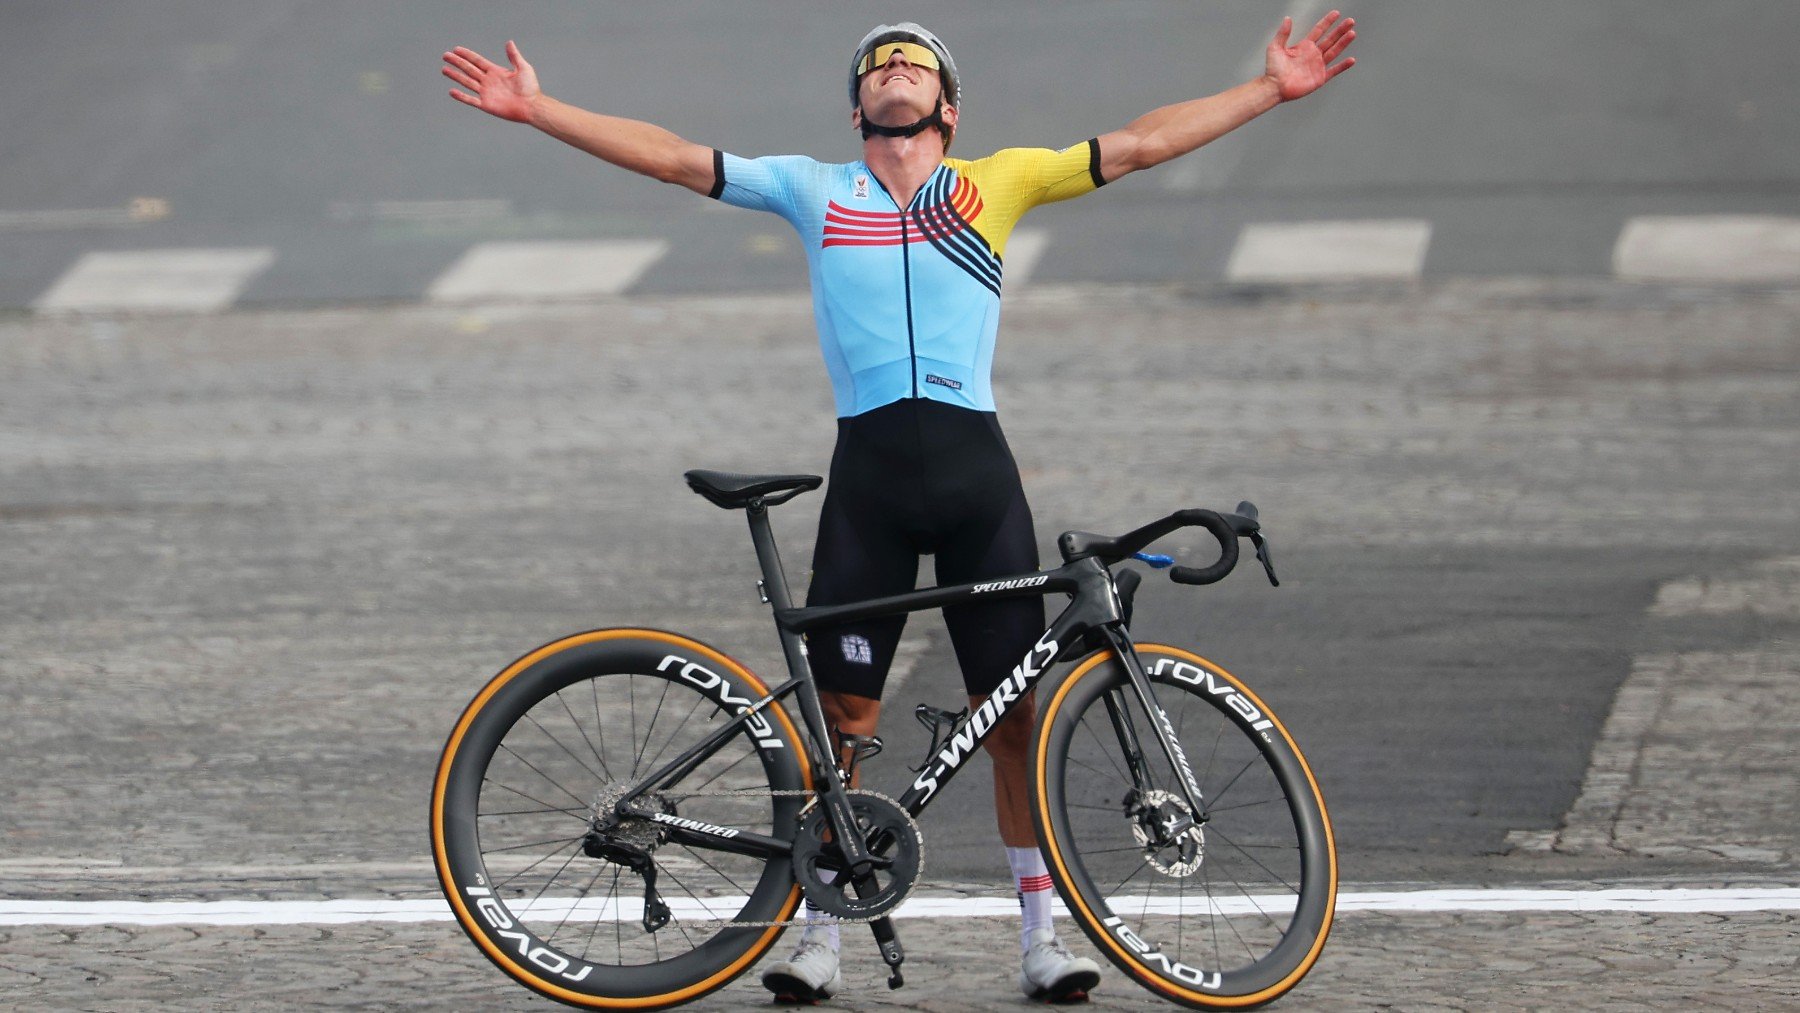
1175	854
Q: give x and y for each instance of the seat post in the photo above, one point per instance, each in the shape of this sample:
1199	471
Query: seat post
763	536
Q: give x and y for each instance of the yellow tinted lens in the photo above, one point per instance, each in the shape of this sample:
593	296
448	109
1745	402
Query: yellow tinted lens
917	55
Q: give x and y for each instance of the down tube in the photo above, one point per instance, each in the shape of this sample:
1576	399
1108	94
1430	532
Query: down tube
965	741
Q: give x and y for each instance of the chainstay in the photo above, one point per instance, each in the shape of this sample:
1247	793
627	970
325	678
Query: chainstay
813	794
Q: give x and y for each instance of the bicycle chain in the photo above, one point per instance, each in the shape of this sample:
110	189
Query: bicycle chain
795	793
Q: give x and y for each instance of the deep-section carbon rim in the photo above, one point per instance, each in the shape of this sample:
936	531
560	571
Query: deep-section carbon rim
1230	914
552	742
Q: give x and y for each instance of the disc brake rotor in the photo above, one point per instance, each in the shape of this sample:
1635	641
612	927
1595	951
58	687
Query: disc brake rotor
1179	856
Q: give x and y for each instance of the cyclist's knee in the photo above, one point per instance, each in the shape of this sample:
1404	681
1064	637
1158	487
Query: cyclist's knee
847	712
1010	741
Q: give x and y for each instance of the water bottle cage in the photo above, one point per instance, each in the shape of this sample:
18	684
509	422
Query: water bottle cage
941	724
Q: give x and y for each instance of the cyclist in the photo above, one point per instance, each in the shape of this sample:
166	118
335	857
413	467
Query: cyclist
906	252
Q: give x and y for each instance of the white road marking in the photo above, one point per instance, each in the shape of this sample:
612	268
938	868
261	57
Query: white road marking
1210	170
1022	252
194	280
1744	248
256	912
546	270
1390	249
139	211
1768	588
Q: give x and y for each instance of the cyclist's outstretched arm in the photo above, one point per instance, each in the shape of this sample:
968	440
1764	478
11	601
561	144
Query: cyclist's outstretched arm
513	94
1293	71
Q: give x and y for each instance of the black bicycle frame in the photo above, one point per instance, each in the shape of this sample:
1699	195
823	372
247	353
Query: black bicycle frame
1094	606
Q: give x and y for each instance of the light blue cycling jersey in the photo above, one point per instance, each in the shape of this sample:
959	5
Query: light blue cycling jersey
907	301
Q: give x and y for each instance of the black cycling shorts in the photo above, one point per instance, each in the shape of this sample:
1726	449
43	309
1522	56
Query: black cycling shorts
912	478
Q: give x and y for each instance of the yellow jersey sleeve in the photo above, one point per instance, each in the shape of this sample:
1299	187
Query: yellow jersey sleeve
1012	181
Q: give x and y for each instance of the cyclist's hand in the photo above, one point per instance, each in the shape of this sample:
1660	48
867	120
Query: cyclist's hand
1302	69
507	94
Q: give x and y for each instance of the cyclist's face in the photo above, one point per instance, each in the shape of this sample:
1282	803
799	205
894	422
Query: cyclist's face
898	87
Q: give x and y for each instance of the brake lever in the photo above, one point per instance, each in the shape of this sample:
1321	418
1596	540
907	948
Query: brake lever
1262	556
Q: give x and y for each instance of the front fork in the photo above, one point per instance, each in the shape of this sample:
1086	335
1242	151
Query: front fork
1138	682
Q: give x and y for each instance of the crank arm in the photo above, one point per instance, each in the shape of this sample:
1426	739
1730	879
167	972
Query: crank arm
889	943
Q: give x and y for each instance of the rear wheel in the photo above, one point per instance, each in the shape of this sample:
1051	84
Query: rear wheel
569	899
1224	908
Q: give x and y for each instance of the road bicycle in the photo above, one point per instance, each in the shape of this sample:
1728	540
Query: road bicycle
629	819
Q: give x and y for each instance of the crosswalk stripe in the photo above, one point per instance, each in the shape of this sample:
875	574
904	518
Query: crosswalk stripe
291	912
1751	248
1022	253
546	270
159	280
1330	251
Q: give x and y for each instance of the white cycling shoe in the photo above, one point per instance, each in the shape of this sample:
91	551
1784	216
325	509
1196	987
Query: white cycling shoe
1051	973
809	975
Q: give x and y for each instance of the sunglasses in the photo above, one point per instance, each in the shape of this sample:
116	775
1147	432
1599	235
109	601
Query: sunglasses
917	55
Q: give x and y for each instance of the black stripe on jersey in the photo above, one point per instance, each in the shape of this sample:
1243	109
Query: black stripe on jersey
718	186
1094	162
953	237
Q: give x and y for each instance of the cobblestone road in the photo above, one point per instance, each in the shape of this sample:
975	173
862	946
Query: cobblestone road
255	563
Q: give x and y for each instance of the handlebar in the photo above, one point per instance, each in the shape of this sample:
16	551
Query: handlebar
1225	528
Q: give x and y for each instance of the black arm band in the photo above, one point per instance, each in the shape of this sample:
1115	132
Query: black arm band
719	173
1094	162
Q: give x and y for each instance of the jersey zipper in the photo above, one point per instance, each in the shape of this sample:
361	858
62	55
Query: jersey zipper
912	351
912	348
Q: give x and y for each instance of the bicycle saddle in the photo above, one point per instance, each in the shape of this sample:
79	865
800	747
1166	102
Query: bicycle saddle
734	492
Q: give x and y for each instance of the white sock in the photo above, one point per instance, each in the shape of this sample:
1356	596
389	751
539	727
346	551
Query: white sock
1033	882
819	921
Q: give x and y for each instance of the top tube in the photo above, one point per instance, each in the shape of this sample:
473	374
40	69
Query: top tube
1066	579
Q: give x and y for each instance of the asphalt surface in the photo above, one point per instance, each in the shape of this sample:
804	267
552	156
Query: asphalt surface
1526	134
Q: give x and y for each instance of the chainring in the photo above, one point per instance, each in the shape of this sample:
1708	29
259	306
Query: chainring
890	835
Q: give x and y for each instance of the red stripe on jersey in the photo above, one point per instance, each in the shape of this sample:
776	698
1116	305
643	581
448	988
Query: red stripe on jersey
870	216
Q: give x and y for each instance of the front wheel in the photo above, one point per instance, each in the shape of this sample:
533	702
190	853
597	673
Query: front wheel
1223	908
566	896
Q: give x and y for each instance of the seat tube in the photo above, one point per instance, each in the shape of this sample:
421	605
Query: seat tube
793	645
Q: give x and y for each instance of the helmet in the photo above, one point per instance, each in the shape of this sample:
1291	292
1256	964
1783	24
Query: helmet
906	31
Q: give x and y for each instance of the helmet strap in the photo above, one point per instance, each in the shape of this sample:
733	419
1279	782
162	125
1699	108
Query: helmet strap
936	119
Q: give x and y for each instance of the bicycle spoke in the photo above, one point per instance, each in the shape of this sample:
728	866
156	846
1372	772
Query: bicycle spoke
579	762
594	929
1251	762
1212	809
551	808
1277	877
599	725
583	731
1095	769
698	700
1103	752
553	781
566	811
508	880
580	895
702	785
716	869
650	732
1141	866
553	878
